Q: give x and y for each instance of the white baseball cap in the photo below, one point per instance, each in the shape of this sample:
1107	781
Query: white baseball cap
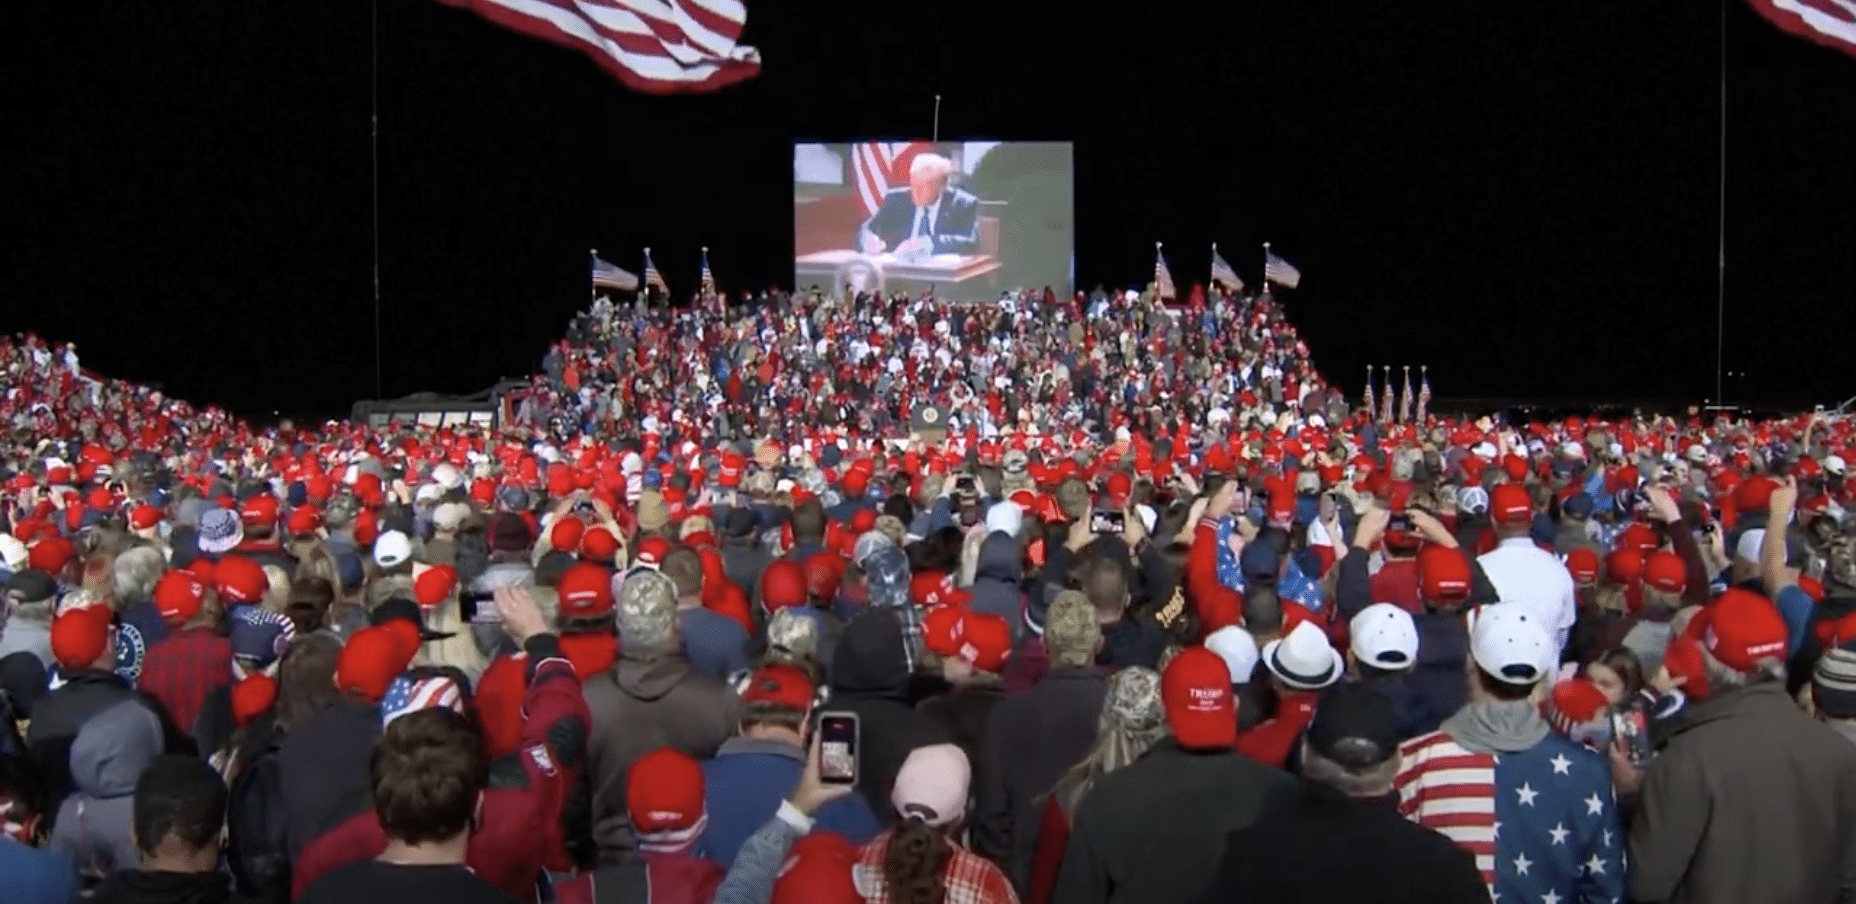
1748	546
1384	637
1511	643
392	548
1237	648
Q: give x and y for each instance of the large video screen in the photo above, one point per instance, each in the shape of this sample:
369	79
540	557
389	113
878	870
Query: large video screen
970	218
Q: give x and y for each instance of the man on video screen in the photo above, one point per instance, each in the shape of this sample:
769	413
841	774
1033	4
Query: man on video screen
927	217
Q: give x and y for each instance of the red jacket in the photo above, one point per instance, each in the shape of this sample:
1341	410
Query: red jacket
1396	582
521	830
657	879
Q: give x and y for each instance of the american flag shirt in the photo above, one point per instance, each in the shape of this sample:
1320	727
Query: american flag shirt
1541	823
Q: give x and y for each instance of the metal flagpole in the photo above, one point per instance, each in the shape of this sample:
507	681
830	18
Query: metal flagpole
1720	299
935	135
1266	270
374	151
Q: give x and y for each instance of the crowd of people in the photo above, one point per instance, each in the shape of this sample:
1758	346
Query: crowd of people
898	600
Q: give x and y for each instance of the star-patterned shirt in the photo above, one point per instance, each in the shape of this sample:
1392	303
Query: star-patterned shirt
1540	822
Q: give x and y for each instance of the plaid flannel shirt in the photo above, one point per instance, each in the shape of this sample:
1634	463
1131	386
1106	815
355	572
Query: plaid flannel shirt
183	668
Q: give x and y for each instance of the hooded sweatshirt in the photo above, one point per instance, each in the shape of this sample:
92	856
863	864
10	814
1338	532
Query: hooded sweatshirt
997	579
108	756
870	677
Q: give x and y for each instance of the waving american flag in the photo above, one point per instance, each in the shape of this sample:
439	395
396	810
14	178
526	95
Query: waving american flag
1831	23
1223	274
654	46
1163	276
1540	822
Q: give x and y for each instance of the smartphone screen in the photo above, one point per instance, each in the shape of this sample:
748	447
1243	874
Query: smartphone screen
477	608
1108	522
838	748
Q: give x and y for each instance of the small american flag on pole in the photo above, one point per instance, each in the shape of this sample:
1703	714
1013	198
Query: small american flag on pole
1424	392
706	283
654	46
877	167
1222	272
1372	404
1163	277
1279	271
607	274
652	278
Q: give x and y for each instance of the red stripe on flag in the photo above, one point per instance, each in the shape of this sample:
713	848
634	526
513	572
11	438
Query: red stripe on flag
665	61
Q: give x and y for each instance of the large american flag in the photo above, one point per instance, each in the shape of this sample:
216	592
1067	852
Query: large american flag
652	278
654	46
1280	271
1540	822
1222	272
610	275
879	166
1831	23
1163	277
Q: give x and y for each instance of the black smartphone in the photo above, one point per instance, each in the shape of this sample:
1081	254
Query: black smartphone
837	748
1400	521
478	607
1108	522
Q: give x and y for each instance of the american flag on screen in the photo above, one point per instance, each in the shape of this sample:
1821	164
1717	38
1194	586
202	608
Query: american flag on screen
610	275
1163	277
1280	271
1831	23
1222	272
654	46
879	166
652	278
1541	823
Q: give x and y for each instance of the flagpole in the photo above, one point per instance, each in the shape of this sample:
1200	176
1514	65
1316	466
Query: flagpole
1214	257
935	135
374	154
1266	269
1720	289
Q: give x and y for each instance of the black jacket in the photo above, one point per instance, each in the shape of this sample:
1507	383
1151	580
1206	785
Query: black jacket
964	714
870	677
58	716
1154	830
1323	846
1033	739
137	887
327	760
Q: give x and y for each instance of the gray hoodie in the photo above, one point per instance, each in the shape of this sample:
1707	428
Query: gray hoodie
108	756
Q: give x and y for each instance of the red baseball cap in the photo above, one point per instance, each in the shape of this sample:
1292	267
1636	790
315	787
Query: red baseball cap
565	535
942	630
240	580
664	792
1665	571
1583	563
1443	574
986	640
434	584
782	585
1196	691
1510	504
782	685
1744	628
178	596
585	591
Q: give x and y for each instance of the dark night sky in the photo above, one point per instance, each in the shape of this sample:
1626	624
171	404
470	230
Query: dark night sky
1522	196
